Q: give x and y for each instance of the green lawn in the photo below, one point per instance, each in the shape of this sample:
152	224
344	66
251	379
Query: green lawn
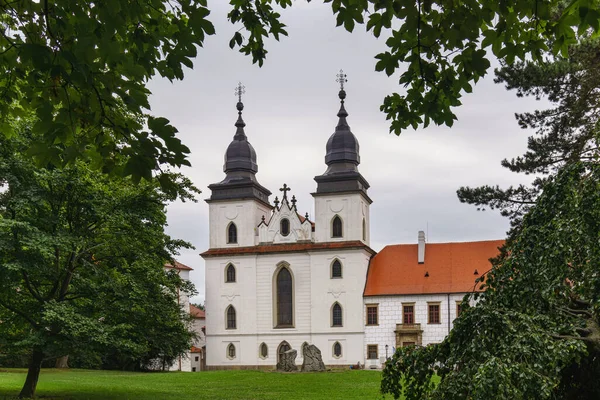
88	384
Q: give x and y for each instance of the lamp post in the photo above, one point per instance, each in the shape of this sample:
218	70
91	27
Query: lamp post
386	351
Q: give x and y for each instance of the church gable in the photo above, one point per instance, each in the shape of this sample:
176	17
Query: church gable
285	225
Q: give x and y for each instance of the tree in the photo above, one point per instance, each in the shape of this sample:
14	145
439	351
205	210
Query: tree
565	133
81	264
534	333
73	62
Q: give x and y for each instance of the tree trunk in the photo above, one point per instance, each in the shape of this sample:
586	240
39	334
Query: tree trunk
62	362
33	374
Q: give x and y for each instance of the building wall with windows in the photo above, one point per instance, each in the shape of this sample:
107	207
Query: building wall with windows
391	319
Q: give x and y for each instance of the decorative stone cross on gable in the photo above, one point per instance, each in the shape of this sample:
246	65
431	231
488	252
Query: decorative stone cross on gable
285	189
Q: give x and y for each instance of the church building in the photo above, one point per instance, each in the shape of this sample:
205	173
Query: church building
276	279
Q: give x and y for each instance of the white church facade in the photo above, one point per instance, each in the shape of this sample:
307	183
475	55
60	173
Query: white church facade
276	279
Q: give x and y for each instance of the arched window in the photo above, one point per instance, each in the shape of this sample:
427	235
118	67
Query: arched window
232	233
336	269
231	318
285	227
230	274
285	304
231	351
336	227
283	347
364	226
264	350
336	315
337	350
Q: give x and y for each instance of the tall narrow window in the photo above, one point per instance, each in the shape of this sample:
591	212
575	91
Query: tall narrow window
372	314
284	227
337	350
336	227
434	313
264	350
231	351
232	233
364	231
285	304
283	347
231	323
459	308
408	314
336	269
230	275
336	315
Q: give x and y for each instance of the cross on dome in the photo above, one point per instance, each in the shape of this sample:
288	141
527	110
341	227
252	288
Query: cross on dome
341	79
239	91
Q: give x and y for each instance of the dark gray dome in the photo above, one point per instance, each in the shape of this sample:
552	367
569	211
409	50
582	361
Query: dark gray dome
240	155
342	146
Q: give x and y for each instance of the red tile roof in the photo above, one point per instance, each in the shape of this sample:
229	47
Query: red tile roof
179	266
450	266
195	312
195	350
286	248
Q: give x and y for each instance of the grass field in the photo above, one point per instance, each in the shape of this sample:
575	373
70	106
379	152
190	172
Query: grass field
87	384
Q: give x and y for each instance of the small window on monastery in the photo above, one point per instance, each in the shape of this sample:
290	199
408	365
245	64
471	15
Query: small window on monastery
408	314
459	308
372	315
231	318
433	313
264	350
337	350
336	315
285	227
336	227
231	351
232	233
336	269
230	275
372	352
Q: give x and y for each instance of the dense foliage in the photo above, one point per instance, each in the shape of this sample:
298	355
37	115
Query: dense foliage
81	266
83	67
534	333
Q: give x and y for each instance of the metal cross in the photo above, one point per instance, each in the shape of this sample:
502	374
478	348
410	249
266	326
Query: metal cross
285	189
276	201
239	91
294	202
341	79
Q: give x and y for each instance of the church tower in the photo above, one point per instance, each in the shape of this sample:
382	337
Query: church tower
238	202
341	200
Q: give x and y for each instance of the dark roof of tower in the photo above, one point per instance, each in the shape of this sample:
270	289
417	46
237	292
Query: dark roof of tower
240	168
342	146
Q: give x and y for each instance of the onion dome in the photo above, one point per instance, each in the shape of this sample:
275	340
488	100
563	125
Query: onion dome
240	155
342	146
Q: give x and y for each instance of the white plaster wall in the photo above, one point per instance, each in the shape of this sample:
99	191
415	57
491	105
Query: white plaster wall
390	314
351	208
315	292
246	214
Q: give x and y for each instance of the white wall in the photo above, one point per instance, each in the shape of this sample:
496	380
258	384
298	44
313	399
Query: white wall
252	295
351	208
390	314
246	214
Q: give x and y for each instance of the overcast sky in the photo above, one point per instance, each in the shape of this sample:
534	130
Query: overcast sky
290	111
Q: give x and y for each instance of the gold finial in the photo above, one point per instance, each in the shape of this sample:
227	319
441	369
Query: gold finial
341	79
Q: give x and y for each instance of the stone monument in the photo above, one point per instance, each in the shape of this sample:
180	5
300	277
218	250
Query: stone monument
312	358
287	361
